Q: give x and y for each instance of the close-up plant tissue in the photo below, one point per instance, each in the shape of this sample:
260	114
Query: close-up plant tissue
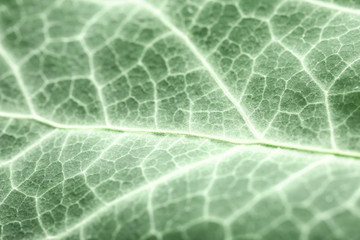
179	119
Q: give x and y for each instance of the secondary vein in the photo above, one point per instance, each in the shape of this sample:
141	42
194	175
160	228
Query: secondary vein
204	62
148	186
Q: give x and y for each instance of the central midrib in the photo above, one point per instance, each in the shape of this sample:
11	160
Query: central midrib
265	143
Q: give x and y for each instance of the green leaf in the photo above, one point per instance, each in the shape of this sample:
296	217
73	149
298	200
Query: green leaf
162	119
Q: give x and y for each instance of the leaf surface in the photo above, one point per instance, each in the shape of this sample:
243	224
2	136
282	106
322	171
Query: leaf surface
154	119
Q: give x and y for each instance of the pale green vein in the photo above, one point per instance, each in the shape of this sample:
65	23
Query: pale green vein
277	188
325	92
14	67
146	187
204	62
29	148
159	15
333	7
272	144
92	76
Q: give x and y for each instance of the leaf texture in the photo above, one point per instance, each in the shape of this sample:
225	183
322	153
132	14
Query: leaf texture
194	119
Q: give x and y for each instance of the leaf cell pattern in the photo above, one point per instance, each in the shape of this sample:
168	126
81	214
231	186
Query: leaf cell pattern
163	120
